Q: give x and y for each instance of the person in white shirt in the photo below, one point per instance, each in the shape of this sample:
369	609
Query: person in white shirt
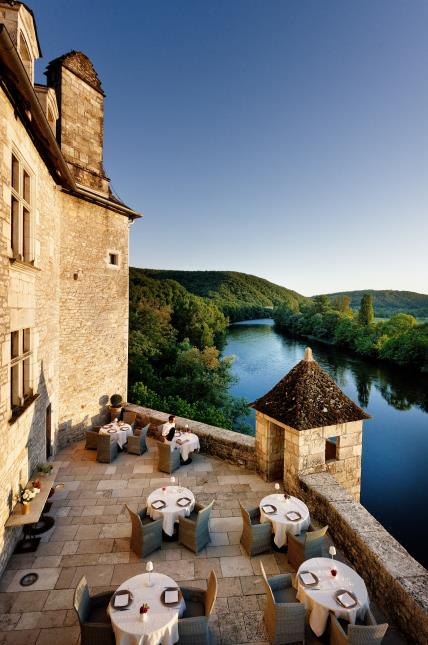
168	429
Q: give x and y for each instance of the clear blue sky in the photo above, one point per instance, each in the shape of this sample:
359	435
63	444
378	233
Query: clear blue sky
283	138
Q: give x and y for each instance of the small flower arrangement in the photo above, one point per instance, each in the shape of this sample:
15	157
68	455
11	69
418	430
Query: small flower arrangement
26	495
144	608
37	484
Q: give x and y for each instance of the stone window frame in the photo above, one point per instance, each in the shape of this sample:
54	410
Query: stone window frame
113	253
25	55
22	202
21	369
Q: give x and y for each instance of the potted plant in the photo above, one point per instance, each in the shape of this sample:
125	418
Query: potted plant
44	468
25	497
115	405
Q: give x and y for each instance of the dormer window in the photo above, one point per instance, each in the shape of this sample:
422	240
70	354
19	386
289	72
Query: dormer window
26	57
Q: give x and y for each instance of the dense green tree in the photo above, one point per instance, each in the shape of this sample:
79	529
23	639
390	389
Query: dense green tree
366	312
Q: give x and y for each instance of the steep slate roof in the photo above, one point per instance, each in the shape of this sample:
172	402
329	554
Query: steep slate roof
307	397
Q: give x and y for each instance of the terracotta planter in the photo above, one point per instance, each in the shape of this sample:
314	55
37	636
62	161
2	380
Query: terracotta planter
25	508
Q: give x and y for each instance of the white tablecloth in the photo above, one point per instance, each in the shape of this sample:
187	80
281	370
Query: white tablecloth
320	601
191	443
280	523
161	625
120	434
171	511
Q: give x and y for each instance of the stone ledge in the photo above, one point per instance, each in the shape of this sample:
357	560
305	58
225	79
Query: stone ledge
396	581
228	445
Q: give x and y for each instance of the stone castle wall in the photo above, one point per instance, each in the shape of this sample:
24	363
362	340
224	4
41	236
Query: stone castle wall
94	315
79	327
395	580
28	298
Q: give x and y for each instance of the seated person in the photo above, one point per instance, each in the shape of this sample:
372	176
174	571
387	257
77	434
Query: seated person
168	429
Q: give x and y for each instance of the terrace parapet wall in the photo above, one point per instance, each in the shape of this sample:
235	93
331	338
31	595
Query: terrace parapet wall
227	445
397	582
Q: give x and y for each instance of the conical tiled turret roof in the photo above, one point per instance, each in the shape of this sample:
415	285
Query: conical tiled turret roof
307	397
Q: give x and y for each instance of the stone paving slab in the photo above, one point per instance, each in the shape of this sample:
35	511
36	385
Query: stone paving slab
91	538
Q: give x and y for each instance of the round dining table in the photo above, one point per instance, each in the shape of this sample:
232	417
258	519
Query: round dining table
186	442
321	598
290	515
118	431
173	508
161	623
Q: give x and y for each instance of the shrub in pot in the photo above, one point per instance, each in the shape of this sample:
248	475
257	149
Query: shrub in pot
115	405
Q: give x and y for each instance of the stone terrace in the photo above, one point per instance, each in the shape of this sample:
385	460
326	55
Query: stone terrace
91	537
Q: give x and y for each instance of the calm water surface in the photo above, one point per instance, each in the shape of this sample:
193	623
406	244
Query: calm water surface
394	478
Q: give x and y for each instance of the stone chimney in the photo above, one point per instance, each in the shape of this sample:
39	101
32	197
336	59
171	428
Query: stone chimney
20	24
80	129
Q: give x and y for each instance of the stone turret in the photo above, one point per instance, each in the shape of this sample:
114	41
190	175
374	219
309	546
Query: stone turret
80	129
306	424
21	27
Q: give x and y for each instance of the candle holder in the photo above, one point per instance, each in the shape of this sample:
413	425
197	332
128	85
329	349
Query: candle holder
149	569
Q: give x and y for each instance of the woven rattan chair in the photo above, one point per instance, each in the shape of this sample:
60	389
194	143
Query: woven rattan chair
92	438
146	534
106	449
369	633
193	531
305	545
284	615
169	460
136	444
95	624
256	537
129	417
193	627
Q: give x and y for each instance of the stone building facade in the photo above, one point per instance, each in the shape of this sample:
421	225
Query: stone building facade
63	258
306	425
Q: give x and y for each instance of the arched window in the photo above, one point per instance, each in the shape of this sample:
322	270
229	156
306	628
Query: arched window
25	55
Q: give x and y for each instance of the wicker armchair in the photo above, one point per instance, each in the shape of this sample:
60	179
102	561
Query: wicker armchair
369	633
146	534
95	624
129	417
193	531
106	449
193	627
92	438
136	444
169	460
284	615
256	537
304	546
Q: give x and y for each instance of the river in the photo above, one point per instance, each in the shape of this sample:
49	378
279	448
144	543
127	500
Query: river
394	477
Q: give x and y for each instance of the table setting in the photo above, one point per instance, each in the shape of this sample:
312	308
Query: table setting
286	514
325	585
119	430
168	503
186	442
145	609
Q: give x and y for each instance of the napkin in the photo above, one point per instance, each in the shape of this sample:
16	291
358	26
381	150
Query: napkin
171	596
346	599
157	504
307	578
292	515
268	508
121	600
183	502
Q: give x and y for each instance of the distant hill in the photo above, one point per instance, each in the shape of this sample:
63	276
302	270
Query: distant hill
237	295
387	303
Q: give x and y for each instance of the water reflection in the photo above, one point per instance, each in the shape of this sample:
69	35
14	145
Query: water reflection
395	441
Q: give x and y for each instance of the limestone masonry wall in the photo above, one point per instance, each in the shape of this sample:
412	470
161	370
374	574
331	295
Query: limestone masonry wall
225	444
397	582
